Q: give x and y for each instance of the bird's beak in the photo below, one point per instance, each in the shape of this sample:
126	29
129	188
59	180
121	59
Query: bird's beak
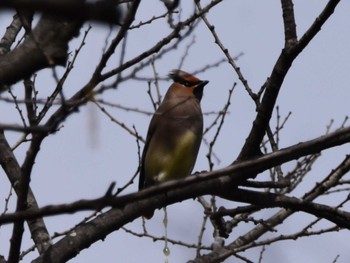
202	84
198	89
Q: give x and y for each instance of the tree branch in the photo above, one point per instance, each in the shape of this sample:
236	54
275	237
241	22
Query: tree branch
204	183
157	47
290	30
104	11
252	145
316	26
131	206
12	169
270	200
39	50
330	181
10	35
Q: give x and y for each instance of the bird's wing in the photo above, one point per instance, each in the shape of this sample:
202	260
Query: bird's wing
151	130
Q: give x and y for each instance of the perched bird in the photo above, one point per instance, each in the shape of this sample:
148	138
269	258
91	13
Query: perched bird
174	134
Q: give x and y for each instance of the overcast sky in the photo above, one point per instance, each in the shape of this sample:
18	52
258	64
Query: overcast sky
90	151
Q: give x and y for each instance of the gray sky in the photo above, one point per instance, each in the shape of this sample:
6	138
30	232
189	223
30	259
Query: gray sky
90	151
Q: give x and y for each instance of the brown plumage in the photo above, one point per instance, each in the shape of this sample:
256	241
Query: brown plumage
174	134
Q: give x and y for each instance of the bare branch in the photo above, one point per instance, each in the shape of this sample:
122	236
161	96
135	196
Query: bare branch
13	171
290	30
104	11
213	182
243	241
10	35
269	200
39	50
227	54
274	83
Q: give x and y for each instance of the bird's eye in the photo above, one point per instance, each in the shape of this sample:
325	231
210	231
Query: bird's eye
187	84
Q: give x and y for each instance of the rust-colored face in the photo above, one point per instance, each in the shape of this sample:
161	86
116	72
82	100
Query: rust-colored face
194	85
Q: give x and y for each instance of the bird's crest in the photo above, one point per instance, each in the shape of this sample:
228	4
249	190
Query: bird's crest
183	77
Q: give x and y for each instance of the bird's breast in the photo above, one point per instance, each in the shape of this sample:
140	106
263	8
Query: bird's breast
175	159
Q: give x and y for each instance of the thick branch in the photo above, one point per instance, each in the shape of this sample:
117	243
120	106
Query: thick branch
216	182
45	47
274	83
270	200
238	245
132	205
290	30
10	35
12	169
104	11
176	190
317	25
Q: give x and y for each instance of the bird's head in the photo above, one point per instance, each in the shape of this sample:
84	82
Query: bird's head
187	84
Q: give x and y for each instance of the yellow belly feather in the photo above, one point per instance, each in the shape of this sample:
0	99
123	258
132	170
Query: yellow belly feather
175	164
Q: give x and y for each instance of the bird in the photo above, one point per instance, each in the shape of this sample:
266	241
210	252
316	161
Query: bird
174	134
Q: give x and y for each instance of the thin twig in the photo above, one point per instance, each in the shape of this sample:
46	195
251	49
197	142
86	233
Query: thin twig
155	238
120	124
